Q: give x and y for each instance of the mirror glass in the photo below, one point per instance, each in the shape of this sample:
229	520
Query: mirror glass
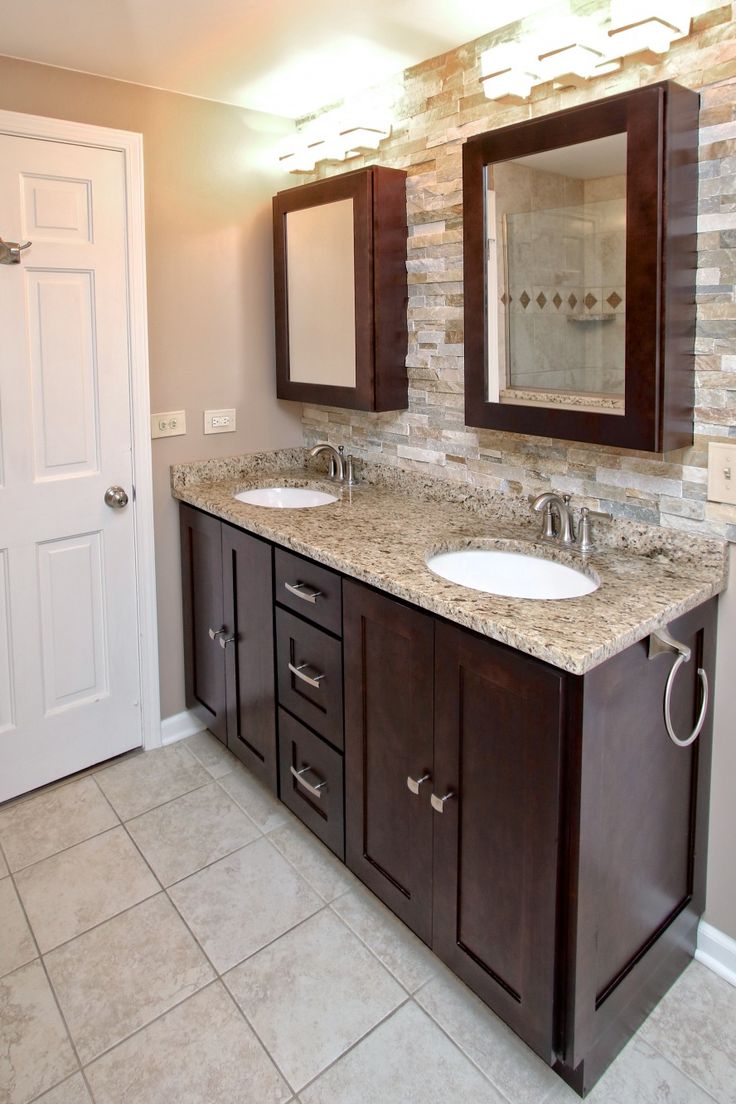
320	262
556	277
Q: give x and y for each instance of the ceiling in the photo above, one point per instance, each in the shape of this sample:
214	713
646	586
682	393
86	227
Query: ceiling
285	57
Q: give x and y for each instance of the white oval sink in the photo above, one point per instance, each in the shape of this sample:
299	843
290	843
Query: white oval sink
285	498
511	574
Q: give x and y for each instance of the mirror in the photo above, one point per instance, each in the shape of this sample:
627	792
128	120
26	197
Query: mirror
556	281
579	249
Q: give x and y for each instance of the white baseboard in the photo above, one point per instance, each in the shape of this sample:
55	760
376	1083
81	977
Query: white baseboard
717	951
180	726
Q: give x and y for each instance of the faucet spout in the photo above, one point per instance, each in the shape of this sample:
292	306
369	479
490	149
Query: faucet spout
563	511
324	446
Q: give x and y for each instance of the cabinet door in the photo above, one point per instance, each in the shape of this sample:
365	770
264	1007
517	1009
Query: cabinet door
202	600
388	738
497	752
249	667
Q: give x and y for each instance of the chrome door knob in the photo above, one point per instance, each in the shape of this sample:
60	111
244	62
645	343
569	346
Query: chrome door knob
116	498
438	803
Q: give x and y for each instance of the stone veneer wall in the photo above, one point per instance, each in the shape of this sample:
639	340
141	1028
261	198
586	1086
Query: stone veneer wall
439	104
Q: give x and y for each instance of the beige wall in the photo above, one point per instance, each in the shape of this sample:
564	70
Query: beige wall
208	187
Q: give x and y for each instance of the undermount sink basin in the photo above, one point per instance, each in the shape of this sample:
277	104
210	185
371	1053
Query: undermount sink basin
285	498
511	574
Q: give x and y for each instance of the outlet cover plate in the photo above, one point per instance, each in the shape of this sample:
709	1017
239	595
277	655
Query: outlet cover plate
722	472
219	421
172	423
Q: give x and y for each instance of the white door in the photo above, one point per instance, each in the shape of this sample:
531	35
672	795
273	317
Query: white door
69	661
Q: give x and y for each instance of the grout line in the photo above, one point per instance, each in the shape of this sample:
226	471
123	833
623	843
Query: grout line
63	851
170	800
206	866
671	1061
251	1026
100	923
58	1085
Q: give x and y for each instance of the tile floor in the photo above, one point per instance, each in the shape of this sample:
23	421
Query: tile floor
170	934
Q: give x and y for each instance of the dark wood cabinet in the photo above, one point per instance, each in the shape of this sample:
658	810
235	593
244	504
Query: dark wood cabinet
351	353
641	394
539	830
498	752
389	652
228	637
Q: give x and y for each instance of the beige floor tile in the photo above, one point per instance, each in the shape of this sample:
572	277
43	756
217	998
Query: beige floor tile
313	860
638	1076
312	994
3	866
71	1091
69	893
53	821
241	903
258	802
35	1052
126	972
695	1027
408	959
16	942
202	1052
211	753
522	1077
191	831
406	1060
136	785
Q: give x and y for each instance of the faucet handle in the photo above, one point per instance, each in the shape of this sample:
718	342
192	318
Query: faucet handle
585	542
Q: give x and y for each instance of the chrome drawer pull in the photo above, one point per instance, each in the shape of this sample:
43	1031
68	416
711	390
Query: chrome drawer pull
315	791
311	680
438	803
297	589
414	783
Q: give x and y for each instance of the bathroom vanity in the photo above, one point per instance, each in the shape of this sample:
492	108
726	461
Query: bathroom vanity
496	770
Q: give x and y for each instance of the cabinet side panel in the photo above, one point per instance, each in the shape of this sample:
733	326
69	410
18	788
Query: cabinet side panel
497	750
642	833
388	737
202	599
390	284
248	593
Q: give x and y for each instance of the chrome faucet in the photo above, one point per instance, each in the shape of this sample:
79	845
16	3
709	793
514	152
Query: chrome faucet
553	503
341	466
564	533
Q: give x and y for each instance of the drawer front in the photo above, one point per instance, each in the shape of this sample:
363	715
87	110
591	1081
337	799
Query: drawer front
311	591
312	782
309	665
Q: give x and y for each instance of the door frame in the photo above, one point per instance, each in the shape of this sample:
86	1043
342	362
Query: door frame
130	144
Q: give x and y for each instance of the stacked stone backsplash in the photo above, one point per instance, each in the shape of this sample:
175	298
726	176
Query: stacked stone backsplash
438	105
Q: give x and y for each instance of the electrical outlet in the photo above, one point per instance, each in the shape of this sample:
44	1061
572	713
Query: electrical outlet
219	421
172	423
722	472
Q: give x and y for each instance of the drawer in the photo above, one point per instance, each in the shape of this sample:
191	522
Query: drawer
312	782
312	591
309	672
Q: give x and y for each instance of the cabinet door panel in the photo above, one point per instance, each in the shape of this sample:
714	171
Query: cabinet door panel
249	670
201	552
497	750
388	737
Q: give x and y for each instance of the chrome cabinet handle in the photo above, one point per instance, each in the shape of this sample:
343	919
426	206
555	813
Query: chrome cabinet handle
214	633
414	783
225	640
299	591
116	498
315	791
311	680
438	803
221	637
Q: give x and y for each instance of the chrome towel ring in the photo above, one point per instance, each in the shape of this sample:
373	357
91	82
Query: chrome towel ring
661	642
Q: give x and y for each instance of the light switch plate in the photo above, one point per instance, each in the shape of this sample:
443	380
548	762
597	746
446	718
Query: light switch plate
172	423
219	421
722	472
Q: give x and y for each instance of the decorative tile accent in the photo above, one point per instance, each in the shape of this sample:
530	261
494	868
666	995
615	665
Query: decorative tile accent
614	299
590	300
541	300
572	300
524	300
557	299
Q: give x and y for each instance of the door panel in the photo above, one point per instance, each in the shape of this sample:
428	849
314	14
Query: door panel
202	604
389	654
497	751
7	705
249	670
65	436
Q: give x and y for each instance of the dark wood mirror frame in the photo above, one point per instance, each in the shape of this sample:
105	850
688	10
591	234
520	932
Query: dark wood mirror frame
661	124
379	211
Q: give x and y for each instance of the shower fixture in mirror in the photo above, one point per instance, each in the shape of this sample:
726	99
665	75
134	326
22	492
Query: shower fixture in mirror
579	272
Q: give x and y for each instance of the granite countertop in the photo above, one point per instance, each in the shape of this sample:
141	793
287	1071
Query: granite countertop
382	530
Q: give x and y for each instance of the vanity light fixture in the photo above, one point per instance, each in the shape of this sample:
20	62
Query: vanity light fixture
575	50
331	139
